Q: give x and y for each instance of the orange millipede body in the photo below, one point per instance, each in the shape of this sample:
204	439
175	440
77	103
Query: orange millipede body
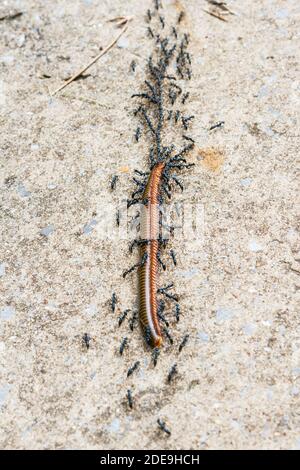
168	66
149	248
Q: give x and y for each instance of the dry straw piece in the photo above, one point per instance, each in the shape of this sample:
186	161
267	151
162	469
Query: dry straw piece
120	21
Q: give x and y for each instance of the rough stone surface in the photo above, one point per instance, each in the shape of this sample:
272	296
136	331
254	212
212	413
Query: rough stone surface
239	375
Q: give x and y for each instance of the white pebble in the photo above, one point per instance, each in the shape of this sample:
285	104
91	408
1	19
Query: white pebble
224	314
2	269
7	312
255	246
246	182
123	43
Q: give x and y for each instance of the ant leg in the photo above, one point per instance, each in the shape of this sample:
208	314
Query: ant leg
167	333
160	261
160	310
137	265
173	256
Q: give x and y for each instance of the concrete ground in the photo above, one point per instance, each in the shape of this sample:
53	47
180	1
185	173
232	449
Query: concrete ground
61	257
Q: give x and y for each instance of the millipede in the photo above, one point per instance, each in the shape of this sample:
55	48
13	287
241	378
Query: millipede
160	91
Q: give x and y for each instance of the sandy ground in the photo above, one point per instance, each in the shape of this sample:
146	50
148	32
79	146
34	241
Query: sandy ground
238	382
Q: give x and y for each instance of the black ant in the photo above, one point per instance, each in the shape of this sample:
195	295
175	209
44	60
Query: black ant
133	368
185	97
123	316
155	355
113	302
162	427
218	124
86	340
133	320
186	137
173	371
133	65
157	4
177	114
179	71
173	256
137	134
118	218
185	120
169	117
130	399
186	38
183	342
150	32
114	182
174	32
180	17
123	345
177	312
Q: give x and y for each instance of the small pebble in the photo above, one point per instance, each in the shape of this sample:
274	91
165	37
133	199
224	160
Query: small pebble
2	269
22	191
249	329
246	182
6	313
89	227
202	336
123	43
255	246
223	314
46	231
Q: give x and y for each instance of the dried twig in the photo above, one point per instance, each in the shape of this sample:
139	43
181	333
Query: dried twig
221	5
216	6
74	77
120	20
85	100
11	16
216	15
